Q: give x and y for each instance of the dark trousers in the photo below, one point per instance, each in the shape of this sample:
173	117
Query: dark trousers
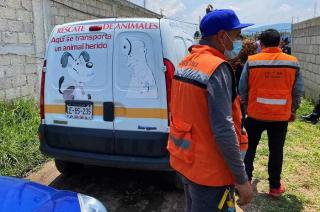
316	109
277	132
205	199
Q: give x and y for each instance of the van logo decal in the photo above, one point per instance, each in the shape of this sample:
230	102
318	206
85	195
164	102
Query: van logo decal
80	70
146	128
142	83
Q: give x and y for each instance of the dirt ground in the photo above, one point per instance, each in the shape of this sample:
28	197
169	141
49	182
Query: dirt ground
118	190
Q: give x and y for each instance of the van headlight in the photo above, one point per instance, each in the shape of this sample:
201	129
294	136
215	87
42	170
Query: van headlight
90	204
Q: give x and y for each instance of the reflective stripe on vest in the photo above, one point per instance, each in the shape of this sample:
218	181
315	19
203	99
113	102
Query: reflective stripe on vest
180	143
273	63
272	101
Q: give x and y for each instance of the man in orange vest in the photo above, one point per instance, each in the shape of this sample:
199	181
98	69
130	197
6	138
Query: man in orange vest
271	88
203	143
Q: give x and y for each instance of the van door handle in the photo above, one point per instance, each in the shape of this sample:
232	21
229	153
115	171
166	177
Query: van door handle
108	111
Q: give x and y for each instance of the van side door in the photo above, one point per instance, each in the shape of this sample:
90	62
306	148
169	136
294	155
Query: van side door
141	119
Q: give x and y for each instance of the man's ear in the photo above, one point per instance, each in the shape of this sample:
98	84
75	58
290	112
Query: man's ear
65	58
221	36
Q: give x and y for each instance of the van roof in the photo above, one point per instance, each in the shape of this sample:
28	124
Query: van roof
111	19
115	19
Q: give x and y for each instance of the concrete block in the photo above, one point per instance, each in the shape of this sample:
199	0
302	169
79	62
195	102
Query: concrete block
308	59
22	80
31	68
13	93
28	90
318	40
92	3
68	3
100	5
62	12
28	27
33	60
315	50
10	37
69	19
3	25
59	20
2	73
2	95
19	80
8	13
23	15
14	4
315	69
318	78
15	26
102	12
92	10
26	38
4	60
5	83
17	59
54	10
17	69
27	5
318	59
3	3
77	6
31	79
313	58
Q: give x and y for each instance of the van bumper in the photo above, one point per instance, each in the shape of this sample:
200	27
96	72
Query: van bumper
160	163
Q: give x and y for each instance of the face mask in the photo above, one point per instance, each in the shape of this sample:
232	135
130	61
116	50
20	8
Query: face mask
231	54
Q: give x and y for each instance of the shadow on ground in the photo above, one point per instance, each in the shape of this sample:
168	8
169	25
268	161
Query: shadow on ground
123	190
264	203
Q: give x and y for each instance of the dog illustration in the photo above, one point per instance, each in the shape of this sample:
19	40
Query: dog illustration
80	69
142	84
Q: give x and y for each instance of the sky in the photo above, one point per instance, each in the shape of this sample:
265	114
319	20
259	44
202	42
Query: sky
259	12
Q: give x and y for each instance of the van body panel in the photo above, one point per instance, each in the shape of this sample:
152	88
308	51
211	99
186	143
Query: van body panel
139	80
114	70
79	68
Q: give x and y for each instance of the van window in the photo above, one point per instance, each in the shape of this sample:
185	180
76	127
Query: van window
136	68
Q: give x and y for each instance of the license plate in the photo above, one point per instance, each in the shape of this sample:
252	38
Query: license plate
79	110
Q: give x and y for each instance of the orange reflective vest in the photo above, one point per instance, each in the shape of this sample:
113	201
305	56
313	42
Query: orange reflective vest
242	135
272	75
193	150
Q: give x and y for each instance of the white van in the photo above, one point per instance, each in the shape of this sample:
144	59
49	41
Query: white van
104	92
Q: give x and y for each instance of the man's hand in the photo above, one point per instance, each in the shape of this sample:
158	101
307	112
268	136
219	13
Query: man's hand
292	117
245	193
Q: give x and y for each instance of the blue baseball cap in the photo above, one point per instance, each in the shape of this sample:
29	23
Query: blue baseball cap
217	20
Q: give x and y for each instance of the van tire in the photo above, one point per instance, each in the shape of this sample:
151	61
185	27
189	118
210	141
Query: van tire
67	168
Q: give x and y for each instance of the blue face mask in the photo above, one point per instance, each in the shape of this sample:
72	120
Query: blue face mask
231	54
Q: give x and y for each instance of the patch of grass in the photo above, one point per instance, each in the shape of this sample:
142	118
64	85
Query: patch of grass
301	169
19	144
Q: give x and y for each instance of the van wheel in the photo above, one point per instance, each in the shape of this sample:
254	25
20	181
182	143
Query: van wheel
68	168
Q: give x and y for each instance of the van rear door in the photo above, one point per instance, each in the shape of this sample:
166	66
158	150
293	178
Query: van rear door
78	89
141	120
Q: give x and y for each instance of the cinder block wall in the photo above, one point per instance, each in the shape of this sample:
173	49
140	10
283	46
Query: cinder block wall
18	70
25	26
306	46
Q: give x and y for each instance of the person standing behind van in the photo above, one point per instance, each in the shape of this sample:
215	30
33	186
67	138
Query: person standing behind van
202	142
271	88
248	48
